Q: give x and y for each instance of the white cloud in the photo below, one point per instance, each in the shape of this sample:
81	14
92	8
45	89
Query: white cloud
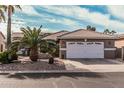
15	27
116	10
48	30
85	15
64	21
29	10
74	12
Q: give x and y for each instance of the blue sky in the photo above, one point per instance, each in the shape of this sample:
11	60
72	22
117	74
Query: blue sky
57	18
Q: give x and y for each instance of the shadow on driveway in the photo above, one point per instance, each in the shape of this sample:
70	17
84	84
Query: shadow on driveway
97	61
50	75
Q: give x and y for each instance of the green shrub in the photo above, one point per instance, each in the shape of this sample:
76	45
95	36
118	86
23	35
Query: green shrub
13	55
8	57
4	57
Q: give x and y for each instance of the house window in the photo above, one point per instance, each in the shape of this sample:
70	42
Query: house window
1	47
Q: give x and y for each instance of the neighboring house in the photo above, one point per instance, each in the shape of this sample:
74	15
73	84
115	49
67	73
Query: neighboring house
54	36
87	44
2	42
17	36
119	43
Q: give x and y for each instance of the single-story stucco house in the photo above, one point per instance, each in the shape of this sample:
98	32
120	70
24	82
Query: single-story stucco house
83	43
2	42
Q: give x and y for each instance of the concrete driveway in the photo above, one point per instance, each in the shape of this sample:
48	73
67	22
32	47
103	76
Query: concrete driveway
94	65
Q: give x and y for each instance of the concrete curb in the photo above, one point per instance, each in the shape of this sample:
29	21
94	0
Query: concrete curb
57	72
53	71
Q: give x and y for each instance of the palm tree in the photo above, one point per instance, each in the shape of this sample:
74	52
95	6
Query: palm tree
10	11
107	31
93	28
32	39
113	32
49	47
2	9
89	27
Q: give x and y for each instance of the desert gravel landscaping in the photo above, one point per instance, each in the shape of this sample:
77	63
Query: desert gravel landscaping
26	65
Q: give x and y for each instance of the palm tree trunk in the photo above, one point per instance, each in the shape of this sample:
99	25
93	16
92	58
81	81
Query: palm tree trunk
34	53
9	27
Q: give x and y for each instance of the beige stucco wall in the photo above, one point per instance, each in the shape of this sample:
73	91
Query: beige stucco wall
119	43
2	42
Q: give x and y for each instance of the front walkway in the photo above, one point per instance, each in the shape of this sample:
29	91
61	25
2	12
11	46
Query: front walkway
111	66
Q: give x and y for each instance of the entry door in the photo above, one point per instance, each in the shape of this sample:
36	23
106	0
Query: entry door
85	50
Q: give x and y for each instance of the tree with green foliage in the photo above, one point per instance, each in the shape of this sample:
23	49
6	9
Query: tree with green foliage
32	39
91	28
108	32
50	47
113	32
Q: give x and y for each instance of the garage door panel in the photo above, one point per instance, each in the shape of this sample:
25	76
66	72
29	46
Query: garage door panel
85	50
73	50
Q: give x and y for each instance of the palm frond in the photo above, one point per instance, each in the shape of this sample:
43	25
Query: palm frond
31	36
3	8
18	6
2	16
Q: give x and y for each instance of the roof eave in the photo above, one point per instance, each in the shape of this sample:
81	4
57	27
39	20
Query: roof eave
90	38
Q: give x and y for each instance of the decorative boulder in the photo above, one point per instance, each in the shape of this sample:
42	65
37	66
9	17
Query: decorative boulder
51	60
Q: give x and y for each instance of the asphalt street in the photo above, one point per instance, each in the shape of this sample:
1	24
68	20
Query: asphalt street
63	80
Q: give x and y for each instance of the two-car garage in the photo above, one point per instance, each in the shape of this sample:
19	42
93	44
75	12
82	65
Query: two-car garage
87	44
85	50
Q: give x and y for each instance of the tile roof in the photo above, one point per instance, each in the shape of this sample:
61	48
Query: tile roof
55	35
82	33
120	36
17	34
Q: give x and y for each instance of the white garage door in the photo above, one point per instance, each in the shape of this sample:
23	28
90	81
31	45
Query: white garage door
85	50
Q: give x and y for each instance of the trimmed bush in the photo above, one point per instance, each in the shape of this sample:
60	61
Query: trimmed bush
4	57
7	57
13	55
